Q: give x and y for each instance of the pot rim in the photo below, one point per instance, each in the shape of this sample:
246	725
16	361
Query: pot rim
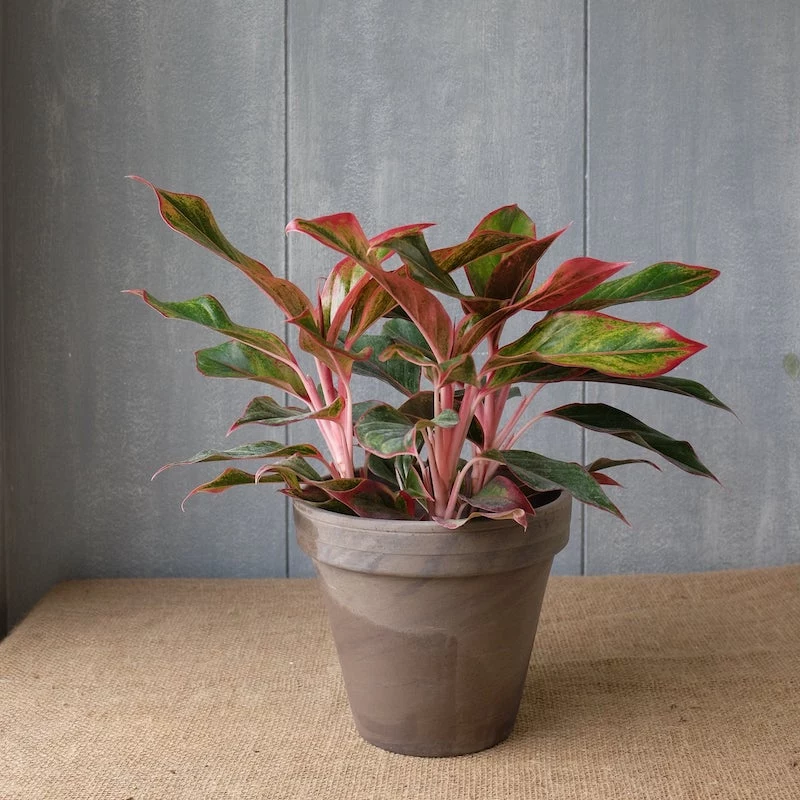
399	526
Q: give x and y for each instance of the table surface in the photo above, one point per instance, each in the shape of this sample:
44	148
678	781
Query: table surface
661	686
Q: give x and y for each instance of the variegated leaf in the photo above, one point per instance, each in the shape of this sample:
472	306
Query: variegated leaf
190	215
606	344
662	281
607	419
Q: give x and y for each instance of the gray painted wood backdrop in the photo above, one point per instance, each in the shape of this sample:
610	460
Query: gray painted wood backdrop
663	130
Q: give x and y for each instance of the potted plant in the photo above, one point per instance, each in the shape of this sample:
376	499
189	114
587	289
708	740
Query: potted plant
434	549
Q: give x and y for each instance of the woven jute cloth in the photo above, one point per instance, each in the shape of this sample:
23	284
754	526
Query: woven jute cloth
640	687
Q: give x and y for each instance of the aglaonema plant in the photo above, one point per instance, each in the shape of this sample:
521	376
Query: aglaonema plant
448	452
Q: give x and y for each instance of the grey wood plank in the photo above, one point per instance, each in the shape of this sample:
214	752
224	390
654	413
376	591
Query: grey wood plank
437	112
694	156
100	390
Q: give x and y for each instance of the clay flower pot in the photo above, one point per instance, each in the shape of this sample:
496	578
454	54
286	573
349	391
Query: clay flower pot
434	628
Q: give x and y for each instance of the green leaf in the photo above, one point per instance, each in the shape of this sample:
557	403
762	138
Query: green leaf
249	450
398	373
191	216
409	479
508	219
607	419
662	281
609	345
413	251
266	411
236	360
534	372
682	386
545	474
421	407
608	463
208	311
385	431
404	330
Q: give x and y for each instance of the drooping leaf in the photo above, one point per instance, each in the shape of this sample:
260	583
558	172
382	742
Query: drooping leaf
517	514
208	311
534	372
292	471
571	280
606	344
367	498
248	451
662	281
342	232
607	419
190	215
501	494
545	474
236	360
266	411
607	463
223	482
398	373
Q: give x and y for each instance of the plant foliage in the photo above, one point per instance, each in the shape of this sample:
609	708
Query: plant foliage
448	451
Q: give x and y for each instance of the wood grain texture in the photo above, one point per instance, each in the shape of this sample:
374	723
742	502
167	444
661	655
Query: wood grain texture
437	112
3	416
101	391
694	155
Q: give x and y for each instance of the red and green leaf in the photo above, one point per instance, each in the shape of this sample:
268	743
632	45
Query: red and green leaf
662	281
265	411
571	280
227	480
250	450
342	232
208	311
385	431
236	360
513	274
502	494
190	215
546	474
606	344
507	219
397	372
368	498
423	308
414	253
607	419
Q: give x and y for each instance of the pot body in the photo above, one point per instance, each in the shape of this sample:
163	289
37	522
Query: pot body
433	628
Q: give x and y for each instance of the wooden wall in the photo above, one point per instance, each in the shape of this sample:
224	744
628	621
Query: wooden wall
662	130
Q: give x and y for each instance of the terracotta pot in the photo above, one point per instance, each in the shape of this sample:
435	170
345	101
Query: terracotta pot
434	628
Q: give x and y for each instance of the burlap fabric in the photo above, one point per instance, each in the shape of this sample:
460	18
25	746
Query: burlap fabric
640	687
